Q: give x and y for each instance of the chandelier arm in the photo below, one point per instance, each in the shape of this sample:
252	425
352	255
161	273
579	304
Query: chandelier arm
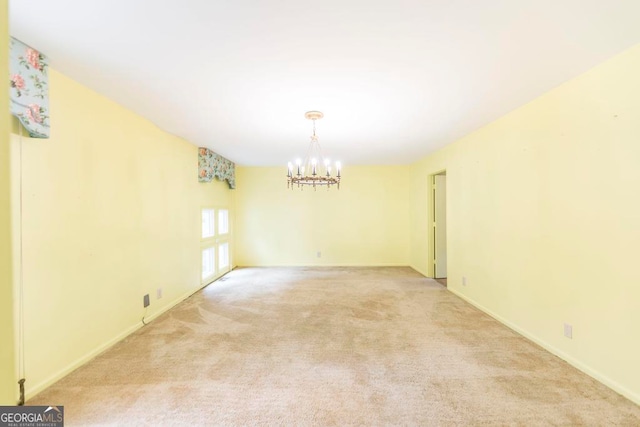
310	172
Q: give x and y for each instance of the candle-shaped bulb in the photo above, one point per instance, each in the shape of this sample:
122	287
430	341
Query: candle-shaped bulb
338	167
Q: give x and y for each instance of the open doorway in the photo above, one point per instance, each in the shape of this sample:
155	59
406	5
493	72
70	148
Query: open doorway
439	230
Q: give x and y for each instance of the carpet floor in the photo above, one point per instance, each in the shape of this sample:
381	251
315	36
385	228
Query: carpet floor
331	346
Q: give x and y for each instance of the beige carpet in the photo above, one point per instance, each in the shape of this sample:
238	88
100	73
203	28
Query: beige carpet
336	346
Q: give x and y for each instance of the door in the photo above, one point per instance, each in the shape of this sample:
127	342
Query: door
440	226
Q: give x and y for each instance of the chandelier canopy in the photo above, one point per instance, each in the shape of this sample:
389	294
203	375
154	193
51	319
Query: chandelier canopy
316	169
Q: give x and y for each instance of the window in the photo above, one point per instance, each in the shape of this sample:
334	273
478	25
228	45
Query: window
215	243
208	262
223	256
223	221
208	216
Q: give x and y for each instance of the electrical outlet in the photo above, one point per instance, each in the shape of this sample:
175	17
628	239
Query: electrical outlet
159	293
145	301
319	254
464	281
568	331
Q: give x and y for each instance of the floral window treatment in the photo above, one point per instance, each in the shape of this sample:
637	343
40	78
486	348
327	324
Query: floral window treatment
29	93
212	165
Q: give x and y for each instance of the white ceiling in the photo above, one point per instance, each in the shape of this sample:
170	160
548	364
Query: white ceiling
395	79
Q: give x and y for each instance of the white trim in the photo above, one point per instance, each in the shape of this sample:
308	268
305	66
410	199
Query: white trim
419	270
325	265
174	303
31	391
614	385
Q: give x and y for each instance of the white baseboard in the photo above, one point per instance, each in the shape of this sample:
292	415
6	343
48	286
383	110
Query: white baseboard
419	270
325	265
31	391
614	385
175	302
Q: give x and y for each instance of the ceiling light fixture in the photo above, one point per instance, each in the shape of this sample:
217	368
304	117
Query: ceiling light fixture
316	169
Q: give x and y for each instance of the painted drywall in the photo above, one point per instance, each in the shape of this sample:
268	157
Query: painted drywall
363	223
110	212
8	386
543	213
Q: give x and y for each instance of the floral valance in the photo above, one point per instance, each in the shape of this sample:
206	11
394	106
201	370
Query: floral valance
29	94
212	165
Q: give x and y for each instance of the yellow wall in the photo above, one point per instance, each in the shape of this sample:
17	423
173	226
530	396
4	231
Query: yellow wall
544	220
363	223
542	205
111	211
8	387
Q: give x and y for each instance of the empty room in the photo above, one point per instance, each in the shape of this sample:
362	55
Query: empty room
320	213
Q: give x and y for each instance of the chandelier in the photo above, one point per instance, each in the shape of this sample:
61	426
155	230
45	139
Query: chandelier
316	169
